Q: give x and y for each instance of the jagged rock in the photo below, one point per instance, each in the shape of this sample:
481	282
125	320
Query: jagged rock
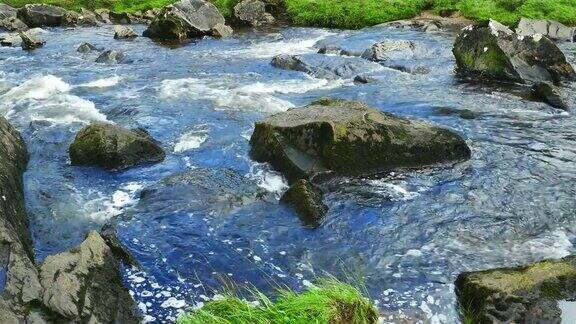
185	19
326	67
112	147
123	32
120	18
7	12
111	56
84	284
30	40
349	137
390	50
87	48
103	15
222	31
549	28
549	94
253	13
20	286
527	294
306	199
494	51
40	15
13	24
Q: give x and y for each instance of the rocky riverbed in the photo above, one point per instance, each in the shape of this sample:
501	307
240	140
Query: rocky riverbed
434	164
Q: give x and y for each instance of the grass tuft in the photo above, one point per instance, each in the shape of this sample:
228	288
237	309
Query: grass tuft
330	301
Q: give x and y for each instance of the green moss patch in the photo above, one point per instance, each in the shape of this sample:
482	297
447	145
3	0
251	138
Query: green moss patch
330	302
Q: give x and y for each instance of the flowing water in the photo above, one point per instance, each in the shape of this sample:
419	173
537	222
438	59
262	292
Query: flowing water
407	234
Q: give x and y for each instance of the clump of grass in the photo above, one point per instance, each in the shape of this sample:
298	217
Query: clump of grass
331	301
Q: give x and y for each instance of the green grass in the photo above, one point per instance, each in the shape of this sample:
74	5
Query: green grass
330	302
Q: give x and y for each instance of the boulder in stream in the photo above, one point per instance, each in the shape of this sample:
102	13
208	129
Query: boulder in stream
349	137
13	24
222	31
114	148
549	94
325	67
494	51
111	56
253	13
549	28
185	19
527	294
390	50
30	40
124	32
41	15
306	199
84	285
120	18
87	48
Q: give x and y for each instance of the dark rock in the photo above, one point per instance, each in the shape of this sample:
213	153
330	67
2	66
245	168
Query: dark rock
411	70
84	285
364	79
527	294
390	50
349	137
111	56
30	40
549	28
123	32
185	19
549	94
87	48
21	286
253	13
494	51
110	236
70	18
326	67
83	18
222	31
40	15
7	12
13	24
120	18
113	148
337	50
307	201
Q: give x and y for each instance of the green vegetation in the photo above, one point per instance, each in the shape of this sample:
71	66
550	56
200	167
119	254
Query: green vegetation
360	13
330	302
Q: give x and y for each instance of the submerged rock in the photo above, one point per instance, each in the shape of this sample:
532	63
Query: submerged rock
113	148
549	28
549	94
85	284
349	137
86	48
83	18
41	15
527	294
185	19
30	40
123	32
495	51
222	31
325	67
390	50
13	24
253	13
307	201
111	56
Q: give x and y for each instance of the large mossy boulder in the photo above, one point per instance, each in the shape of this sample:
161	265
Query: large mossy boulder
113	148
493	50
349	137
41	15
84	285
185	19
528	294
306	199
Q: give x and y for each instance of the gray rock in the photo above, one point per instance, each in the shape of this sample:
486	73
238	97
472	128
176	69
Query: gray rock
84	285
111	56
549	94
87	48
306	199
83	18
113	148
326	67
253	13
103	15
349	137
364	79
185	19
120	18
13	24
40	15
494	51
21	286
10	40
549	28
222	31
123	32
30	40
527	294
390	50
7	12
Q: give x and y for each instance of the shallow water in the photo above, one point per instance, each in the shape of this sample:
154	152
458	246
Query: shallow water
408	234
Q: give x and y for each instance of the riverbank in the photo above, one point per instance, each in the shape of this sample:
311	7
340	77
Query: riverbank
355	14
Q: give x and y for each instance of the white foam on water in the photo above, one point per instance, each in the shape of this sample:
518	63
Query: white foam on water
103	208
283	46
267	179
293	86
189	141
392	190
102	83
46	98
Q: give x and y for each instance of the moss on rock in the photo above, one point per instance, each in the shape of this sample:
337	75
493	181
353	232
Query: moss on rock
307	201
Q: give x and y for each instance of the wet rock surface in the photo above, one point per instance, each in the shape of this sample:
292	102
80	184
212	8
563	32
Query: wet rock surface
325	67
349	137
114	148
41	15
549	94
111	56
306	199
30	40
124	32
